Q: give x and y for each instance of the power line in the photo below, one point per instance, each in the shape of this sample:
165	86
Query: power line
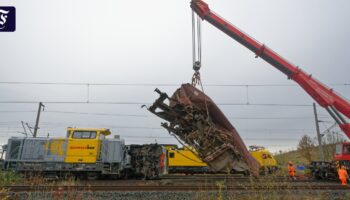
72	102
16	111
258	139
47	125
148	103
264	104
273	118
102	114
154	84
152	116
248	139
169	137
247	103
39	83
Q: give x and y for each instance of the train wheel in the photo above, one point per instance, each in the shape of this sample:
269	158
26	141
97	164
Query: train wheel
263	171
92	176
246	173
50	176
114	177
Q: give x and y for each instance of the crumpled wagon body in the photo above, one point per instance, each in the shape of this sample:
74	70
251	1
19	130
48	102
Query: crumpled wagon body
194	119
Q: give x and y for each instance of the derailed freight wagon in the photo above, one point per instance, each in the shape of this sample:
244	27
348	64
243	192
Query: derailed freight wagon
195	120
86	153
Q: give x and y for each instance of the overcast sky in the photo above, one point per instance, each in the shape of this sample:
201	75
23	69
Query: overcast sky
146	44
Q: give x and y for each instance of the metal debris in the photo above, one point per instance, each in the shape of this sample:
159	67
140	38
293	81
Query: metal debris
146	160
195	119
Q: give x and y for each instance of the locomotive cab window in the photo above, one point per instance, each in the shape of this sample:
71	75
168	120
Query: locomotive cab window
171	155
84	135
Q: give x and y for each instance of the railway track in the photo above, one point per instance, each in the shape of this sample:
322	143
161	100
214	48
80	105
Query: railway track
185	181
49	188
185	177
230	178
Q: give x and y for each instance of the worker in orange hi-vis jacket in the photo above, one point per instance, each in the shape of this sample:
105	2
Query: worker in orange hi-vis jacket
343	175
291	170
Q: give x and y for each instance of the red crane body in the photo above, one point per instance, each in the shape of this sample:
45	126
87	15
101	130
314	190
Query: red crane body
323	95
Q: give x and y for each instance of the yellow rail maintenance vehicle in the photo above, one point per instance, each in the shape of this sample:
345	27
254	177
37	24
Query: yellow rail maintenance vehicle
186	160
268	164
86	153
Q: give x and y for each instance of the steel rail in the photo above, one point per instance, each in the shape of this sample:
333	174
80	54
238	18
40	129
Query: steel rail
37	188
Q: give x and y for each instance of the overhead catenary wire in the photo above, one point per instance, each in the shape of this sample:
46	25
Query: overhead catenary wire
143	103
152	116
87	101
156	84
129	132
169	85
168	137
60	125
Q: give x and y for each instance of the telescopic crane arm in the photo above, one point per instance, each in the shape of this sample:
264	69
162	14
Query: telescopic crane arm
324	96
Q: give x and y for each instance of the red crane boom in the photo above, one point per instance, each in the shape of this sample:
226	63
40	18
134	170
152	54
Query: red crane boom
323	95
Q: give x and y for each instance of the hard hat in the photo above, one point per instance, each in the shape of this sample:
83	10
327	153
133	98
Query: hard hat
343	167
290	162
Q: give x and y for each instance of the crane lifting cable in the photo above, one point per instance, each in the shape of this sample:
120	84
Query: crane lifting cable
197	53
196	41
196	48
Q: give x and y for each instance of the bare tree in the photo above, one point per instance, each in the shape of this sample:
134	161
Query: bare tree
305	146
329	142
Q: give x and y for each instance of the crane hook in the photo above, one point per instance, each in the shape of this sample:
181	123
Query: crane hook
197	65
